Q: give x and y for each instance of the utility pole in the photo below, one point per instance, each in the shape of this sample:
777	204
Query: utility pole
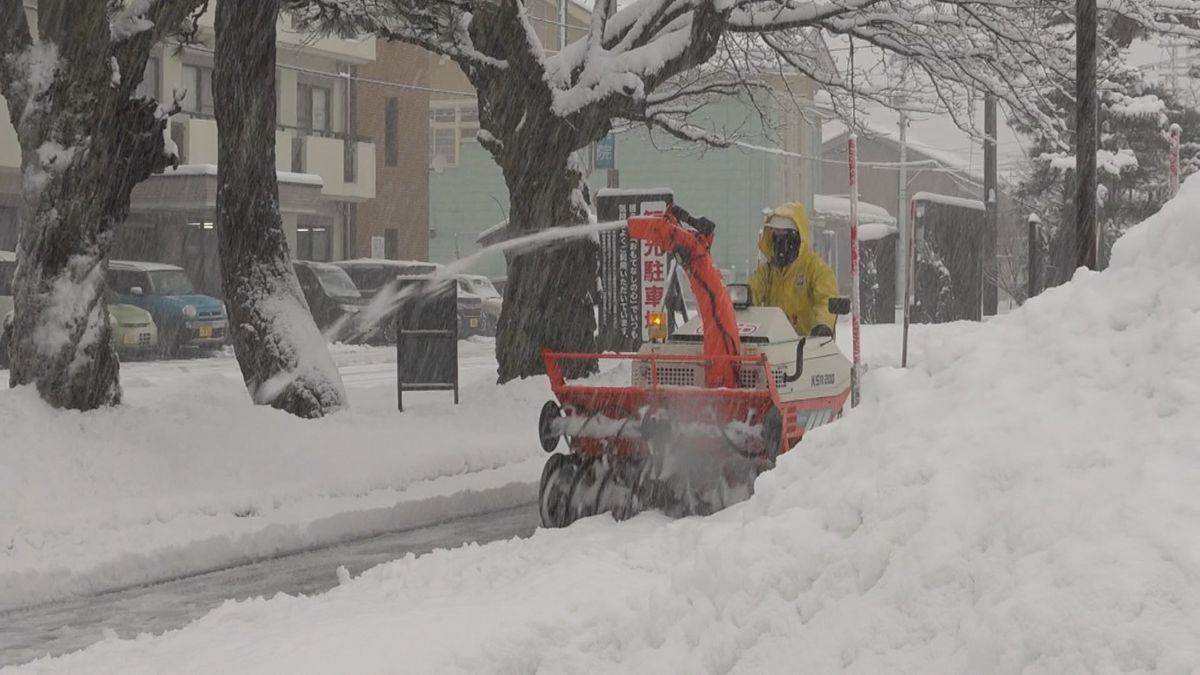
902	220
1034	274
1086	135
991	298
562	24
855	299
1173	159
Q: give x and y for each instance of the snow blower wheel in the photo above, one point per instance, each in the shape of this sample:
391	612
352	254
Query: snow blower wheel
554	492
547	435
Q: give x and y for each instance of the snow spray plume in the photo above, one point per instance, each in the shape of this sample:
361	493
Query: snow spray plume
389	298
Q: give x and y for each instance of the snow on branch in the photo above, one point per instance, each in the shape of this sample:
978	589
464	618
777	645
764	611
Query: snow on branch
15	42
1110	162
127	18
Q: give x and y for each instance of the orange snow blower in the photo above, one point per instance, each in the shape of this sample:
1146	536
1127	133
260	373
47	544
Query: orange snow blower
698	414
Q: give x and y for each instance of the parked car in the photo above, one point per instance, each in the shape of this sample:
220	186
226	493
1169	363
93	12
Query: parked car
334	301
492	301
133	332
371	274
184	317
471	319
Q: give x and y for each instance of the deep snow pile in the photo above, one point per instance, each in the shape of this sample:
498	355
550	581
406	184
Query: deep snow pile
189	476
1022	499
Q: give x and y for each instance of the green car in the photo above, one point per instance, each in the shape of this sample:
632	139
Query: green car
134	332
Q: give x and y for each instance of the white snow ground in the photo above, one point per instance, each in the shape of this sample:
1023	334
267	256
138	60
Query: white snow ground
189	476
1021	499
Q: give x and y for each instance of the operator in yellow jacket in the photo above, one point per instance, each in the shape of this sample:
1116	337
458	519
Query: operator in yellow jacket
793	277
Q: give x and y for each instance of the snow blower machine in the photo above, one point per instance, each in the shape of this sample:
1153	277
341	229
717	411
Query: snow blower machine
700	413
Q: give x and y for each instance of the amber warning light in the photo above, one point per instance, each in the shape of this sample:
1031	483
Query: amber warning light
656	323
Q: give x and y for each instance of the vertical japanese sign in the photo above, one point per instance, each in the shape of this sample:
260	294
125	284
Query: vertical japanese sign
633	274
656	270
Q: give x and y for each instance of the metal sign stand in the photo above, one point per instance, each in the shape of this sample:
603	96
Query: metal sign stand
427	344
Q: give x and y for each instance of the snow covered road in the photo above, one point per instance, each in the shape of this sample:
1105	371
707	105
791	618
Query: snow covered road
63	627
187	476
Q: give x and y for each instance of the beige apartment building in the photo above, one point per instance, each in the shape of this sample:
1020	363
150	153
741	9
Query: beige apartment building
328	154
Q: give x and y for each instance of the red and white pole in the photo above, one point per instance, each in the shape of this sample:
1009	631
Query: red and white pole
1176	131
855	313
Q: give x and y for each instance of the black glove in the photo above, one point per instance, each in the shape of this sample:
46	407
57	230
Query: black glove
821	330
701	225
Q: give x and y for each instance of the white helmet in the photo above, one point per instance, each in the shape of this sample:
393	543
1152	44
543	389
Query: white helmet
777	222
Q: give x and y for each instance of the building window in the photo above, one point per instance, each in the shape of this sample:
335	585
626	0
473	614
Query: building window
451	123
314	242
391	243
391	133
313	108
196	83
444	143
150	85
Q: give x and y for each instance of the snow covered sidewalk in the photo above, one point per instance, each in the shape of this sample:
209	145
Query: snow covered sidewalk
1022	499
189	476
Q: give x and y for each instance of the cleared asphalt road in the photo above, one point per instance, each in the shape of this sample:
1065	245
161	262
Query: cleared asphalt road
68	626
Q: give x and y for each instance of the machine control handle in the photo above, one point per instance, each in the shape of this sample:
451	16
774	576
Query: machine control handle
799	363
702	225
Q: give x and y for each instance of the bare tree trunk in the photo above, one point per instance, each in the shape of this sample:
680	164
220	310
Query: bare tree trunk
549	298
283	357
84	145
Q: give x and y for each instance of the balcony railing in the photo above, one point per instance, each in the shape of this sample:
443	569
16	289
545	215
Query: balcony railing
345	162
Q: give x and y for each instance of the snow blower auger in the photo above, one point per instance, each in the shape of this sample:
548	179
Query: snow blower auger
708	409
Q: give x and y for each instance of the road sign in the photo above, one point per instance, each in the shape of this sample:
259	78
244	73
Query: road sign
604	153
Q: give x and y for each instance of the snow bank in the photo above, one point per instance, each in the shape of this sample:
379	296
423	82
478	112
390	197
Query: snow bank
1021	499
188	476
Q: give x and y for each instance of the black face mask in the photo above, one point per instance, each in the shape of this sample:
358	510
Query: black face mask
785	248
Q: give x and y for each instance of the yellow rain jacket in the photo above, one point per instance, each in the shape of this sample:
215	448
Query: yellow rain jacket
802	289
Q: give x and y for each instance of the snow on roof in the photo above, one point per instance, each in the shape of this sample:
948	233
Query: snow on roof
838	206
211	170
380	262
633	192
873	231
836	130
949	201
8	256
142	266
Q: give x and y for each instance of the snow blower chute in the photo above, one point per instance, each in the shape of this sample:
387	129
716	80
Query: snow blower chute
705	410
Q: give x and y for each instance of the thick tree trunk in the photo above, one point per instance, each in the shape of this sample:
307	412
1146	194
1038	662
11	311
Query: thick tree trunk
550	293
85	144
284	359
